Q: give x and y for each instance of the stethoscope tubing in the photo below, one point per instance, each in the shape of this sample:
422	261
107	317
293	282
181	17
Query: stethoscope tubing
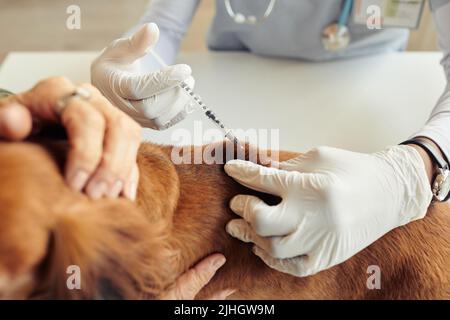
343	17
345	13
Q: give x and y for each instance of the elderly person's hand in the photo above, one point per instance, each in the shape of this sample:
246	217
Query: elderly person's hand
189	284
103	140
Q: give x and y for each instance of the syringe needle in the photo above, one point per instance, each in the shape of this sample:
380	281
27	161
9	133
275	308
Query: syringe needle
208	112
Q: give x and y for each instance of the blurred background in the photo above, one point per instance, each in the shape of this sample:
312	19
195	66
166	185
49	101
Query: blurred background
40	25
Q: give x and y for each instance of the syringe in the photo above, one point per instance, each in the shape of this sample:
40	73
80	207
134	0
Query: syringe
207	111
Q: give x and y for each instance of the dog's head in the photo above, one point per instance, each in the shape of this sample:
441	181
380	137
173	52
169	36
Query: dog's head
55	243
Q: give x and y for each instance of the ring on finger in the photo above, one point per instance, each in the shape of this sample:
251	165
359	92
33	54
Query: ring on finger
78	93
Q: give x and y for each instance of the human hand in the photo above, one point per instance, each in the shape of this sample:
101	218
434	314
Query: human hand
189	284
334	204
103	140
151	97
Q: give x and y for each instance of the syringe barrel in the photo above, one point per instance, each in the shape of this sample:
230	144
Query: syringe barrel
197	100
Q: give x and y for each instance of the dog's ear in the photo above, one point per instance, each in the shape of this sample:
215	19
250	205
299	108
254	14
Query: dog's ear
105	250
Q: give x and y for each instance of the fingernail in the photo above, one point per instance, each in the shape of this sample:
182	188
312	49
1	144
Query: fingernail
230	229
228	167
231	166
115	190
237	203
219	262
153	27
78	180
131	191
98	190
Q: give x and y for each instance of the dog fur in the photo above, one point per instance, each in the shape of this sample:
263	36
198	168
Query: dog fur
132	251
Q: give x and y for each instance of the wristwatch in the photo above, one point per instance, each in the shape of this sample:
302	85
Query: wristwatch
441	183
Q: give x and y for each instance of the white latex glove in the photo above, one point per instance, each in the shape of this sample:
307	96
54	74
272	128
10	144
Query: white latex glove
334	204
151	98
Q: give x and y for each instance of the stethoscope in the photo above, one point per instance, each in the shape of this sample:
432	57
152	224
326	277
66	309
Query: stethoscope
335	37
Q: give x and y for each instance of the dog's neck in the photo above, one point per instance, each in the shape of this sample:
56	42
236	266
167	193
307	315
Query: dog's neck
158	190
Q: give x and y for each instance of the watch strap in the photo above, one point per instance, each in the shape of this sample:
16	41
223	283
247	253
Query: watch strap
439	186
430	149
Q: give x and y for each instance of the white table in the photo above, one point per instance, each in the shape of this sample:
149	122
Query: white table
362	104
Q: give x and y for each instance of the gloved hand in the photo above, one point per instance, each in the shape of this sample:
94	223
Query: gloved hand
152	98
334	204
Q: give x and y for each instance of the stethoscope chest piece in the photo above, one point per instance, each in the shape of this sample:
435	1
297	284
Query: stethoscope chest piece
336	37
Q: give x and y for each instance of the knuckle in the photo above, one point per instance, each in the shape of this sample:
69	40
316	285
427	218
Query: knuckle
93	119
195	281
127	126
87	156
259	219
112	168
108	162
198	277
73	112
276	250
56	80
91	88
259	224
49	85
320	153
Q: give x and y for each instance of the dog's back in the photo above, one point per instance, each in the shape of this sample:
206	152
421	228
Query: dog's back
122	245
411	262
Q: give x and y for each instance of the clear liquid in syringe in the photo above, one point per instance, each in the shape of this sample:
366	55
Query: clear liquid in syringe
210	114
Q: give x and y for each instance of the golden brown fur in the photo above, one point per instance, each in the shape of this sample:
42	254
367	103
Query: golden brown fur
180	218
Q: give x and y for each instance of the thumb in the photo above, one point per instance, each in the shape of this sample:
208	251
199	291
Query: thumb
297	266
15	121
257	177
127	50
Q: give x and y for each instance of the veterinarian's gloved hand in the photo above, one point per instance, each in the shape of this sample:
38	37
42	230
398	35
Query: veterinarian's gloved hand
151	97
103	141
334	204
189	284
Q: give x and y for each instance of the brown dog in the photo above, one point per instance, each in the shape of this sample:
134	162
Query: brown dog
134	251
